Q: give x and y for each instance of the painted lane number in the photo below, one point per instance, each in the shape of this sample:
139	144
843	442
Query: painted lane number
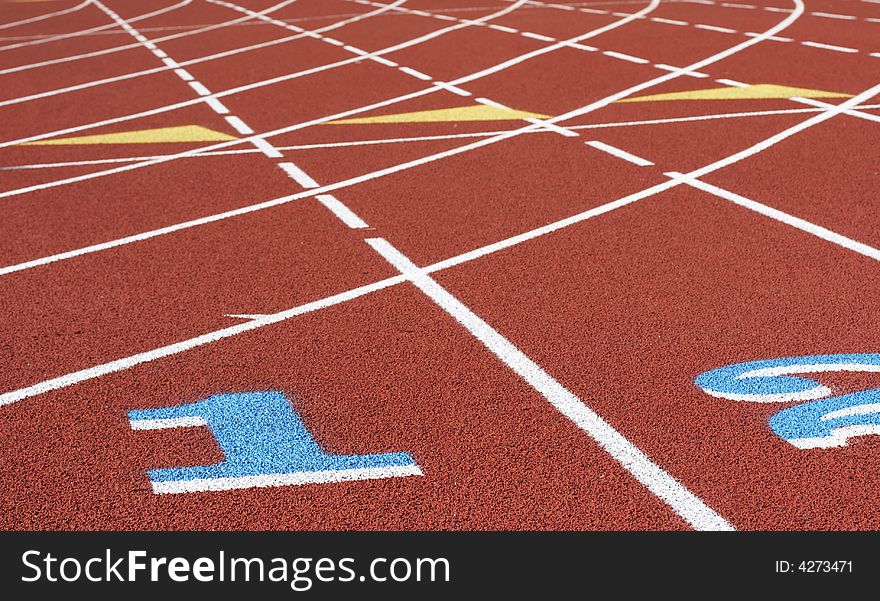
265	443
820	420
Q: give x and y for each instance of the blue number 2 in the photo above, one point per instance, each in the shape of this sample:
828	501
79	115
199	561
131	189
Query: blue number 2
264	442
824	421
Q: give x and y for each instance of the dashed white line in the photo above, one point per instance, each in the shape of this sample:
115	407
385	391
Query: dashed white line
552	127
680	70
829	47
834	16
184	74
732	82
625	57
267	149
416	74
715	28
342	212
384	61
669	21
503	28
490	102
298	175
537	36
580	46
217	106
451	88
239	125
620	154
772	38
199	88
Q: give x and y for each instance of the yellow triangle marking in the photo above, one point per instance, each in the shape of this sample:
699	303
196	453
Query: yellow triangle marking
181	133
764	90
478	112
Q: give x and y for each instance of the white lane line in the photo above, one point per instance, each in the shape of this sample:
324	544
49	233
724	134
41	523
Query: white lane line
875	54
451	88
409	164
683	502
829	47
834	16
416	74
551	127
263	83
342	212
715	28
58	13
492	103
772	38
504	28
239	125
680	70
537	36
298	175
826	105
384	61
625	57
732	83
266	148
179	347
355	50
669	21
199	88
217	106
207	58
580	46
184	74
82	32
621	154
791	220
274	80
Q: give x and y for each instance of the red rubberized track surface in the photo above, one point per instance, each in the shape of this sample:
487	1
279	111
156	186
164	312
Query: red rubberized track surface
523	306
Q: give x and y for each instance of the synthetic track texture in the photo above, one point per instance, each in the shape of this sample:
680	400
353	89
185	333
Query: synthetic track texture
514	310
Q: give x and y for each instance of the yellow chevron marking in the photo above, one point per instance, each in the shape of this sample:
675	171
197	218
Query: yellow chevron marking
759	91
478	112
181	133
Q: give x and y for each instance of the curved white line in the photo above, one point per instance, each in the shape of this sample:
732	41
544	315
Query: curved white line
458	150
82	32
236	90
339	298
105	51
58	13
348	113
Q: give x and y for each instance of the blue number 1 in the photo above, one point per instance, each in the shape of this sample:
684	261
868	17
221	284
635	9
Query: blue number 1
264	442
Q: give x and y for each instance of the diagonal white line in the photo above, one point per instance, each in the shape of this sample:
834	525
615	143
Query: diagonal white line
687	505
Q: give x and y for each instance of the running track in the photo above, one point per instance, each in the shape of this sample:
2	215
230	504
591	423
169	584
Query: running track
496	313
